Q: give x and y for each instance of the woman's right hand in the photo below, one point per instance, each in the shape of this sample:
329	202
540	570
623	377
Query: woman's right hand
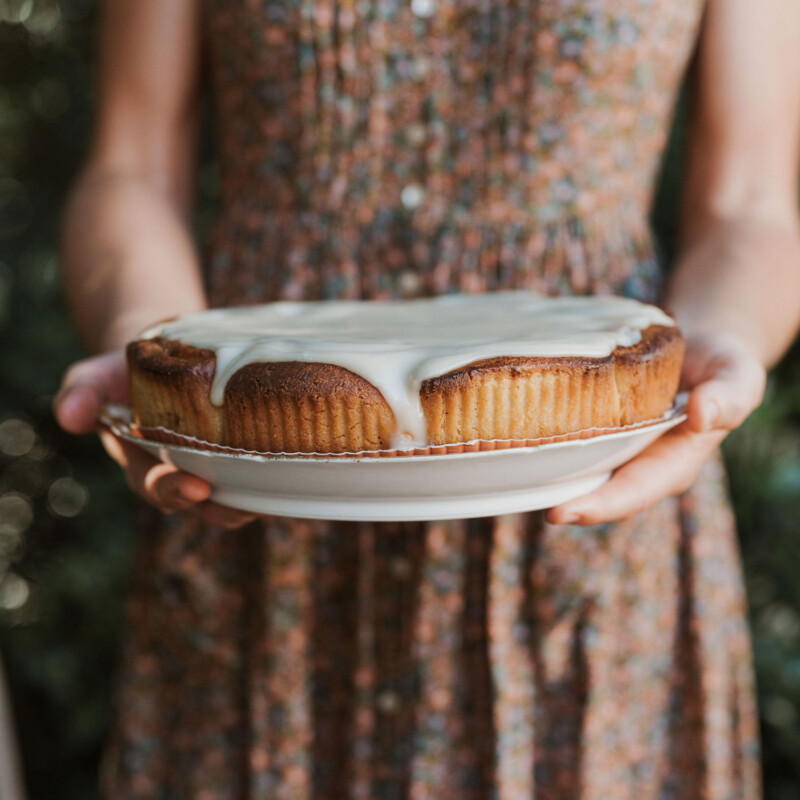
89	384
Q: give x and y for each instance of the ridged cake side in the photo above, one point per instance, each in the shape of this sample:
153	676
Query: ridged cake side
297	407
648	374
309	407
528	398
170	387
508	399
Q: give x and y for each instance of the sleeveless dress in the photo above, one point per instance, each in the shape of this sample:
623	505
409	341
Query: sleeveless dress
398	148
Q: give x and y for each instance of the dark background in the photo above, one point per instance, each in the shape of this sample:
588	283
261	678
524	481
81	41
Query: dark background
65	532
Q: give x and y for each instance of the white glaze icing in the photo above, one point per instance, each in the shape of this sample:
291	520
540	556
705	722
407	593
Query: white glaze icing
396	345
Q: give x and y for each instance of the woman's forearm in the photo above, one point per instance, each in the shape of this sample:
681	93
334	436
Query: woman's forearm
127	258
740	277
739	271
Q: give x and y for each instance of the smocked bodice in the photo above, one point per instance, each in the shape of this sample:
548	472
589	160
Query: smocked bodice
439	123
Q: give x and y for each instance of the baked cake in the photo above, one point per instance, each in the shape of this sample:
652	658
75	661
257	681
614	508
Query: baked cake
350	376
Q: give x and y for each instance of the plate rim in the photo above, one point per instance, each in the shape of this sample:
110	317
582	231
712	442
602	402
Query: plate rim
677	415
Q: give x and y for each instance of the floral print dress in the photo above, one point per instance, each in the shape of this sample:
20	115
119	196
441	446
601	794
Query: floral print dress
399	148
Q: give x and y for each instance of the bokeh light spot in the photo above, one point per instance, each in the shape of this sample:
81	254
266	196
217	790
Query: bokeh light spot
66	497
17	437
15	11
781	621
14	592
45	21
16	513
40	452
779	711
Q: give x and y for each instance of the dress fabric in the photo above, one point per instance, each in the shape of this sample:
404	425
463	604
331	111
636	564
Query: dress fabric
397	148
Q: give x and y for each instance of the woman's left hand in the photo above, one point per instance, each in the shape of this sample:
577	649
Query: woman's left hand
726	382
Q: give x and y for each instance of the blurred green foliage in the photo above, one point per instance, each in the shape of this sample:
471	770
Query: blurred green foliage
64	500
65	513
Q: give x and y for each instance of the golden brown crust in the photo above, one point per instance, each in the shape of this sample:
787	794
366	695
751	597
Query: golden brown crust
170	387
308	407
648	373
298	407
522	400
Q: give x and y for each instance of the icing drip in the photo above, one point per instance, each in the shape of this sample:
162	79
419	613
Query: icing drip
396	345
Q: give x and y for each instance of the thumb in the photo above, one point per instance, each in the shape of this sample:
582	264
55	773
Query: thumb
727	396
87	385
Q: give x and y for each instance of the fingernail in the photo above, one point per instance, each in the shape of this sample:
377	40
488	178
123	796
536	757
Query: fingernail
571	518
68	404
194	492
62	397
711	416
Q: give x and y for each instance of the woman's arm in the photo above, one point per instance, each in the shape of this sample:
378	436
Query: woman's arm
127	255
736	287
740	269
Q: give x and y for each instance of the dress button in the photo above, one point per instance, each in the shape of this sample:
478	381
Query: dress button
388	702
412	195
415	134
423	8
400	566
420	67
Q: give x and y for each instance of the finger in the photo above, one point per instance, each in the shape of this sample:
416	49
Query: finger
86	386
665	468
76	408
158	483
162	485
223	516
107	372
733	389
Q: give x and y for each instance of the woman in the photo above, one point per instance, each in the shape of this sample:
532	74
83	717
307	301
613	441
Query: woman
414	147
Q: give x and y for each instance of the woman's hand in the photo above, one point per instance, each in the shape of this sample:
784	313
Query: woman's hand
726	382
90	383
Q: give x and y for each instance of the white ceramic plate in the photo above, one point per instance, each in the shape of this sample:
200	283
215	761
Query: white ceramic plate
428	487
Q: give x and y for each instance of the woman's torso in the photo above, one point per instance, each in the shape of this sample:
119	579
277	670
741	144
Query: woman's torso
403	147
